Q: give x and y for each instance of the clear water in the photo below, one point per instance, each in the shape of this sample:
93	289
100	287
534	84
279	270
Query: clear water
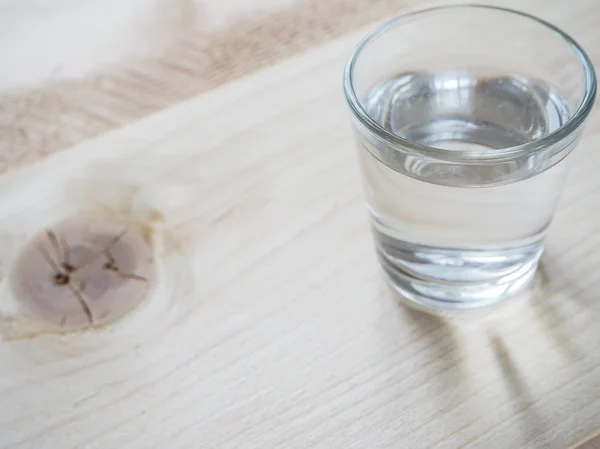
449	246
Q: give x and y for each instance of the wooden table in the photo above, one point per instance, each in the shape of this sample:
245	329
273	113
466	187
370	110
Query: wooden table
274	327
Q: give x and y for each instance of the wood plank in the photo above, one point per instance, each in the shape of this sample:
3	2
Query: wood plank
276	329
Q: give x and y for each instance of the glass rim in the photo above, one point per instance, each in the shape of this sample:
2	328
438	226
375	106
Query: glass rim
528	148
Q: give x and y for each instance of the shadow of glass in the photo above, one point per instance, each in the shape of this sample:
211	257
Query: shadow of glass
543	318
530	419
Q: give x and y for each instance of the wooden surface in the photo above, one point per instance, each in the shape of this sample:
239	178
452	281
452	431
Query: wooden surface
273	327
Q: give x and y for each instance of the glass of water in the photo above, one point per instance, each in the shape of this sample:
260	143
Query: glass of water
464	117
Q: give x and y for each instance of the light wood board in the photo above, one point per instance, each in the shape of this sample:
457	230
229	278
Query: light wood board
277	329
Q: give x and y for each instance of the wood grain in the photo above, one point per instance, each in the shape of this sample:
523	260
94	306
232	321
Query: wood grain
186	47
591	443
172	50
275	328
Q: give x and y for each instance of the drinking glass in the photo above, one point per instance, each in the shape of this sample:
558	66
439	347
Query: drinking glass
464	117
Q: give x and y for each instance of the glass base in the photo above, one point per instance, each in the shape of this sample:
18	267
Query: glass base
465	281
